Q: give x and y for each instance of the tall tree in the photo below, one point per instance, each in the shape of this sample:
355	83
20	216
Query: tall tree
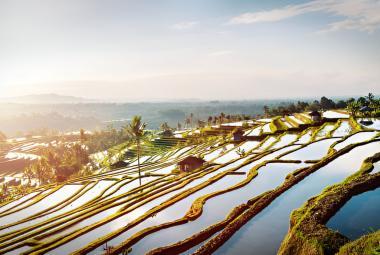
327	103
222	116
136	130
187	122
209	120
44	172
191	119
164	126
370	98
29	172
353	108
362	101
266	111
83	137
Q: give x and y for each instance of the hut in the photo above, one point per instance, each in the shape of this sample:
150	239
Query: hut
166	133
238	134
119	164
365	109
315	116
190	163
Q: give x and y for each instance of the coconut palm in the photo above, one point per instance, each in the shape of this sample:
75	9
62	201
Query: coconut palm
191	119
209	120
187	122
222	116
136	131
370	98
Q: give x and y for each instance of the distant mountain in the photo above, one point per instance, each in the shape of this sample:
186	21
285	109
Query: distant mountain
46	99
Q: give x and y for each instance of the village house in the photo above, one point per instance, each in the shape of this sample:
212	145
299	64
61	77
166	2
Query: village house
190	163
315	116
166	133
238	135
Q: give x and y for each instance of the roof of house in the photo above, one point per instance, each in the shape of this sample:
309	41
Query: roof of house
167	132
238	131
366	109
315	113
190	160
120	163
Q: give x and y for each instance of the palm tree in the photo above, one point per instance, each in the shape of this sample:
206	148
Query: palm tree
191	119
187	122
209	120
136	130
222	116
370	98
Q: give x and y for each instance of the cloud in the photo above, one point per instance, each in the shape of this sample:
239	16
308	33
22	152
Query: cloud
185	25
362	15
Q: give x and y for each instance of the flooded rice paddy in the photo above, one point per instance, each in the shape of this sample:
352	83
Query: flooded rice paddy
110	208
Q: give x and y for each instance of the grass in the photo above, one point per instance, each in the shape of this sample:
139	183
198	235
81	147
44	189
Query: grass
365	245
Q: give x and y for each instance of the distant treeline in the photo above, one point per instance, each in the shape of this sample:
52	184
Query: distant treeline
352	105
64	117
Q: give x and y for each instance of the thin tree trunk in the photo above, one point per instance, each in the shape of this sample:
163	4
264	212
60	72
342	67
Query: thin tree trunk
138	159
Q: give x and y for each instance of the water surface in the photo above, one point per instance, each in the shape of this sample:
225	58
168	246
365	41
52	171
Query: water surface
264	233
359	216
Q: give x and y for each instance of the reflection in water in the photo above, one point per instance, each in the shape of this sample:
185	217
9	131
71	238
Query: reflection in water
264	233
359	137
358	216
315	150
217	208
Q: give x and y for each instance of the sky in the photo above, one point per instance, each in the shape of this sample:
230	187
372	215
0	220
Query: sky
198	49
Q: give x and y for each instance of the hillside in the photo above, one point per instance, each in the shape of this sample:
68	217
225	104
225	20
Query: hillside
45	99
240	200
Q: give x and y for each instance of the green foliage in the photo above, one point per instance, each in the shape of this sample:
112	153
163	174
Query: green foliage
352	105
353	108
104	139
241	152
58	163
7	194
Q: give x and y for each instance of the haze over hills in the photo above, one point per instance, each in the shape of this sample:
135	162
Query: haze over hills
46	99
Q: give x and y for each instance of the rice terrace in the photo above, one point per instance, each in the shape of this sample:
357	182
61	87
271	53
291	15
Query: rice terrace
224	189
